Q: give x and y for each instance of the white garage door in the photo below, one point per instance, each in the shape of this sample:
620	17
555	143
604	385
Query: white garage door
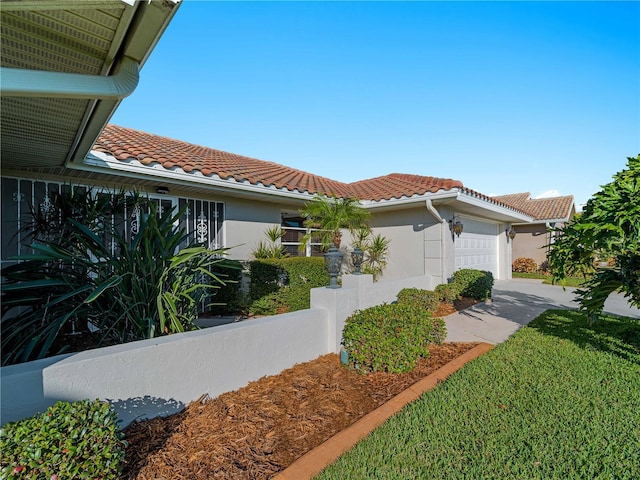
477	246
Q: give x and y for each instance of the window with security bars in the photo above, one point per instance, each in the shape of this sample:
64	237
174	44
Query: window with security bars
30	212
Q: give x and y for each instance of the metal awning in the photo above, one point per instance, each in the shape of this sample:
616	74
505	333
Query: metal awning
65	67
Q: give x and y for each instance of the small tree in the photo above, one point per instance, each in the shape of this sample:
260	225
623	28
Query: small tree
331	215
608	228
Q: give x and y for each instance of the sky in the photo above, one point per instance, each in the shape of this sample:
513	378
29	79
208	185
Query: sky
507	97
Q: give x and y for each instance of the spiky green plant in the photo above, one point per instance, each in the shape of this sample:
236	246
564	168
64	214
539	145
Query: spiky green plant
130	289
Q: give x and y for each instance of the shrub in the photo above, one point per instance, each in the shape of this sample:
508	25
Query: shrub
474	283
524	265
227	298
390	337
447	292
285	284
426	299
69	441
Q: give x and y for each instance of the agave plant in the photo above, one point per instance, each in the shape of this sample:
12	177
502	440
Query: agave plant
129	289
274	247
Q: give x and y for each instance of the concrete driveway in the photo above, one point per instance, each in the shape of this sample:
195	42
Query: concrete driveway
516	303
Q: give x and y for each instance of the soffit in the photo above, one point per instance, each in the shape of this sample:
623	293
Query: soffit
79	36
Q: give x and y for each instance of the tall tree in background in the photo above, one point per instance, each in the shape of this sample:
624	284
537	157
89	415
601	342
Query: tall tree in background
609	228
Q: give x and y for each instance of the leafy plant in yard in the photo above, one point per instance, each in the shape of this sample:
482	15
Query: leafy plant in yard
78	440
330	215
376	251
608	228
284	285
524	265
273	248
474	283
390	337
447	292
558	400
425	299
129	289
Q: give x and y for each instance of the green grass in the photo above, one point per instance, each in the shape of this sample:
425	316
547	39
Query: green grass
559	400
548	279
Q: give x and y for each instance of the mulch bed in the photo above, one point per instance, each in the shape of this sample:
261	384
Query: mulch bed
257	431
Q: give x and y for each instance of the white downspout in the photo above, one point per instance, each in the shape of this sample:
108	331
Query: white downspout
432	210
18	82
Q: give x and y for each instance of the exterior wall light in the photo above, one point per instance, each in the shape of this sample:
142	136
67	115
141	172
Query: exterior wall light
456	226
356	256
511	233
162	190
333	264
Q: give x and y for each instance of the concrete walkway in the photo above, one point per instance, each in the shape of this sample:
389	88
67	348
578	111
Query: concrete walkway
515	303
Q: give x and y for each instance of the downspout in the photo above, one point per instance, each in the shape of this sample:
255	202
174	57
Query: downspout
18	82
432	210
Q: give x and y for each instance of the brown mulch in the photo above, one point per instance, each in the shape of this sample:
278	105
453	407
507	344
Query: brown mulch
259	430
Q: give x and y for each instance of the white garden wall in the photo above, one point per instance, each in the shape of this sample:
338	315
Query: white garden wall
160	376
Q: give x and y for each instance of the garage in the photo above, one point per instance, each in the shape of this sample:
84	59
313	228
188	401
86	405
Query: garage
477	246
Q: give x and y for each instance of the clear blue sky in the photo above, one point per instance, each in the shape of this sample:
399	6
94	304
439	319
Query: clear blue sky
505	96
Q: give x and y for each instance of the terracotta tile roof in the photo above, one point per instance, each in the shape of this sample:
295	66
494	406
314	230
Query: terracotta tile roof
126	144
552	208
398	185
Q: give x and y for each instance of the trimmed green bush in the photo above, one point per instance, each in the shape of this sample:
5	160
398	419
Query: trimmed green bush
69	441
447	292
474	283
390	337
284	285
426	299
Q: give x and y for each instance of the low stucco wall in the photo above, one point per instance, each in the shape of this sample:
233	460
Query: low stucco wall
160	376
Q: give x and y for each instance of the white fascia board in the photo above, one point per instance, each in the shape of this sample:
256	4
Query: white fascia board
18	82
97	162
417	199
514	215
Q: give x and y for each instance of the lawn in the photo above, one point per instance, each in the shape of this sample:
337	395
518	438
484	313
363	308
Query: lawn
559	400
548	279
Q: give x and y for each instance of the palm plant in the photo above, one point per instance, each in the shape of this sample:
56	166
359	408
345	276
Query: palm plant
330	215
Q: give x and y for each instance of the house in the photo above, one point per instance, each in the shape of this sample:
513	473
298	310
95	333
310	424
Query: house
233	199
533	237
60	85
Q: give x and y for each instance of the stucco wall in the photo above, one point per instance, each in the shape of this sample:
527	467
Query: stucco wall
530	242
405	231
160	376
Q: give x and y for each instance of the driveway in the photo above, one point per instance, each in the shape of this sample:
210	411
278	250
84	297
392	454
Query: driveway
516	303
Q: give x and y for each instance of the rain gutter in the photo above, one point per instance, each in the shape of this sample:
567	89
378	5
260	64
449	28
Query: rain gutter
18	82
432	210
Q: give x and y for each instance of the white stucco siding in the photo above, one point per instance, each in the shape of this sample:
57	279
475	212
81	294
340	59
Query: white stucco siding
477	247
246	223
405	231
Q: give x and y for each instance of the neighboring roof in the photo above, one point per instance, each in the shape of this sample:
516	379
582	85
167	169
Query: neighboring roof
65	67
552	208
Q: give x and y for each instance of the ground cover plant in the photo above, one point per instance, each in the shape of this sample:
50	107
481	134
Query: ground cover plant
78	440
559	400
